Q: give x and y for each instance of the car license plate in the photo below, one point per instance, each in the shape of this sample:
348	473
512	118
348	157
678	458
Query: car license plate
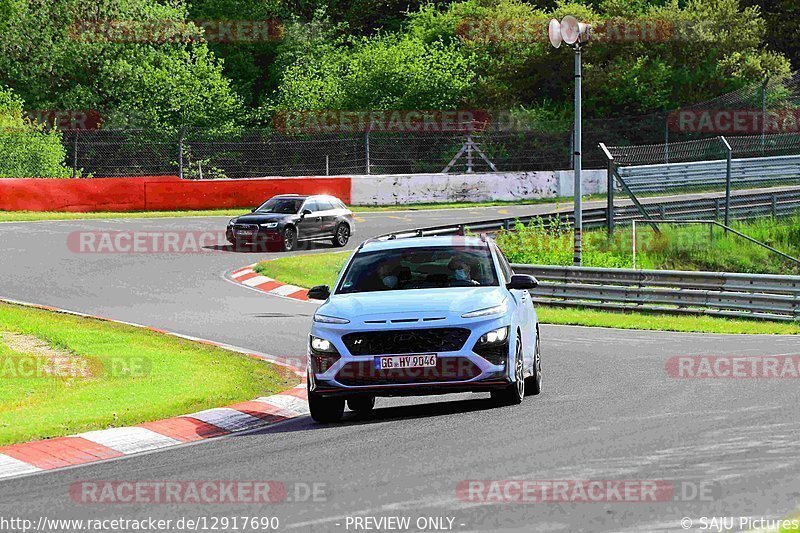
245	233
390	362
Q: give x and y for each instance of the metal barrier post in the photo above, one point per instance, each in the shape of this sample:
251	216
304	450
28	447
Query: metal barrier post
727	181
469	154
75	154
764	112
610	192
180	153
366	147
633	241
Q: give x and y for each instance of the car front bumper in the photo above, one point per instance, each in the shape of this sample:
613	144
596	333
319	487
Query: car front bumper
461	370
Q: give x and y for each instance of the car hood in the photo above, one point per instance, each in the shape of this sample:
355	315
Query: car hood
414	303
261	218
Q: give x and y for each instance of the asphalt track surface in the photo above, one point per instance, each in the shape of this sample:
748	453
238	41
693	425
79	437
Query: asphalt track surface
609	411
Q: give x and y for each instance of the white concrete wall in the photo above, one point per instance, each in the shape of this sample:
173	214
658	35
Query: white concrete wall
397	189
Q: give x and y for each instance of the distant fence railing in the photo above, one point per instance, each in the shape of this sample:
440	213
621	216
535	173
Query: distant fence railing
706	165
752	172
762	296
743	207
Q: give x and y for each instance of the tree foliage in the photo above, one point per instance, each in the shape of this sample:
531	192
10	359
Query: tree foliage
394	54
27	150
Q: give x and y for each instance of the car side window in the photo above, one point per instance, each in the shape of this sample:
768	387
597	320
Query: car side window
312	205
325	205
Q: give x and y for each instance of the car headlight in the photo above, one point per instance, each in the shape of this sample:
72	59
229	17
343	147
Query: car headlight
270	225
496	336
322	345
489	311
231	222
330	319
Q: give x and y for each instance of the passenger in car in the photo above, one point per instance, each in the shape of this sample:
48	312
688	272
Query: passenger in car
461	272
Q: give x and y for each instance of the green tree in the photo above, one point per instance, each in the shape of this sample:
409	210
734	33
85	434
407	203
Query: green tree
27	150
384	72
54	57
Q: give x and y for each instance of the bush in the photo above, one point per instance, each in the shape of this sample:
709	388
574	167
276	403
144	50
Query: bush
27	149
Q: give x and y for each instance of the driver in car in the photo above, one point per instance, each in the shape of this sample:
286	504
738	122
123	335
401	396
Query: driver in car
385	278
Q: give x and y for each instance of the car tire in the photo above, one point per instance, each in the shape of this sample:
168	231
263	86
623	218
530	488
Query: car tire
289	239
341	235
325	410
533	384
515	392
361	404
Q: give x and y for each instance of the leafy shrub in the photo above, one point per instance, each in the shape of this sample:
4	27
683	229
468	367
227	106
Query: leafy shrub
27	149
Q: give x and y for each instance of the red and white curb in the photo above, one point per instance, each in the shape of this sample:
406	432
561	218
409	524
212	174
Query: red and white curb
91	446
249	277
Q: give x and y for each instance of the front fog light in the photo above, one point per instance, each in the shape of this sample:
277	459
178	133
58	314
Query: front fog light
497	336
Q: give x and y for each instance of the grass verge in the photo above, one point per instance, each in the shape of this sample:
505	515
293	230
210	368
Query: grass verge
318	269
676	247
31	216
62	374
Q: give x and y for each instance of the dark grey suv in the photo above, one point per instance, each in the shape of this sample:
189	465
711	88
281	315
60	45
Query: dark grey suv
289	219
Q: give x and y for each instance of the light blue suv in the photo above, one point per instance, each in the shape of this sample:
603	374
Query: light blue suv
418	316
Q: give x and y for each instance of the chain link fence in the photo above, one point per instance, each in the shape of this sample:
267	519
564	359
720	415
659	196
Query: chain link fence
196	154
705	179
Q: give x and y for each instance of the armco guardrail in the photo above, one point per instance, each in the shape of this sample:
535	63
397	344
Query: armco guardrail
743	207
749	172
711	293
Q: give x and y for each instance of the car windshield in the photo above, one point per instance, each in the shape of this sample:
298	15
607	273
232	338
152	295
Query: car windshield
419	268
284	206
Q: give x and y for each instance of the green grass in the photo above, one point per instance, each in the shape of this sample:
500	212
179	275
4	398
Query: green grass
166	376
662	322
305	271
318	269
463	205
678	247
30	216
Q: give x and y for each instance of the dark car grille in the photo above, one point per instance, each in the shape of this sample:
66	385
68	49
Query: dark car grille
358	373
245	227
406	341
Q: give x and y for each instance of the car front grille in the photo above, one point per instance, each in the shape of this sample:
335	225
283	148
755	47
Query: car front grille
408	341
245	227
362	373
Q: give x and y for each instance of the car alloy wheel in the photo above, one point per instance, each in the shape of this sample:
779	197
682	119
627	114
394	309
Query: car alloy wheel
342	235
289	239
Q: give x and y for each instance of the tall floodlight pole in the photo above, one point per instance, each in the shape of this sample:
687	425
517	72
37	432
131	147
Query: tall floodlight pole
576	35
577	254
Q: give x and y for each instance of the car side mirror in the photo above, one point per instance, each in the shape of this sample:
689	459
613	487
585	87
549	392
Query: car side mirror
306	212
253	210
320	292
522	282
